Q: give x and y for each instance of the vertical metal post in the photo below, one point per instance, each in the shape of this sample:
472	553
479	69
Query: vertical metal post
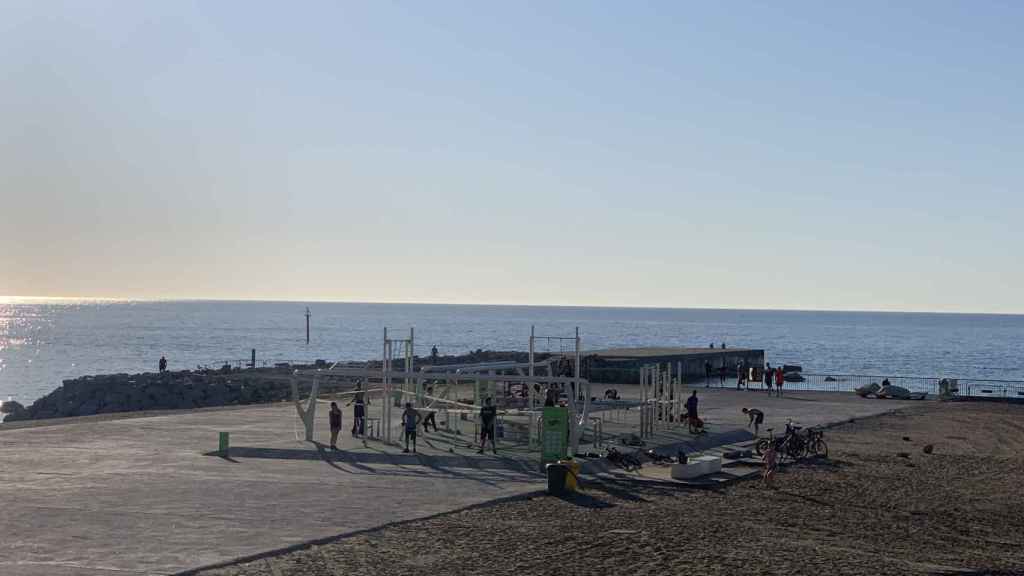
643	401
407	386
307	324
385	410
535	422
679	394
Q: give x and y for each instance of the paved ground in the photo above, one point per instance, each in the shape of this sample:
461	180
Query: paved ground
144	495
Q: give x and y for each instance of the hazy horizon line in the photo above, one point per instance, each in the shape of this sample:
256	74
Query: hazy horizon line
11	299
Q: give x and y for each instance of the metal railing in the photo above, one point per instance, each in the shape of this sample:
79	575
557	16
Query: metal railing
833	382
260	363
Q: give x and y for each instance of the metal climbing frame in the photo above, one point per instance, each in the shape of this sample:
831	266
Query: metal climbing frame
568	345
661	397
395	348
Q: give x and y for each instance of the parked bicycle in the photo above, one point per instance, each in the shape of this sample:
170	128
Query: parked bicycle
794	445
628	462
815	444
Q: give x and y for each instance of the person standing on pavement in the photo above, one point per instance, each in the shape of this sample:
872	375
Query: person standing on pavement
334	416
410	420
488	416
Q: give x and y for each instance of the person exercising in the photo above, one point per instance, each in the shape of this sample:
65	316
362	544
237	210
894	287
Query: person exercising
756	419
488	415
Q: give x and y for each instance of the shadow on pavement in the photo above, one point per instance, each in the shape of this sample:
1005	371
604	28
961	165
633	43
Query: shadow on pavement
484	469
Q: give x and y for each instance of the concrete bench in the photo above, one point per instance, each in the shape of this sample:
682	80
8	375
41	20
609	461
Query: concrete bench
697	466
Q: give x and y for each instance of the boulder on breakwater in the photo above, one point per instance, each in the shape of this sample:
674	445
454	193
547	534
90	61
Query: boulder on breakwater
91	395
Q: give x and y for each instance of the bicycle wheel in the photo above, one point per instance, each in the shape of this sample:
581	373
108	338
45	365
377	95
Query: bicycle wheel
761	447
820	448
795	449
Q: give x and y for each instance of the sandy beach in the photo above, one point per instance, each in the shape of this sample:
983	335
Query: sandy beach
879	505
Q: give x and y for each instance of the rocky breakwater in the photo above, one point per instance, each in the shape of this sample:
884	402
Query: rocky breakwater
91	395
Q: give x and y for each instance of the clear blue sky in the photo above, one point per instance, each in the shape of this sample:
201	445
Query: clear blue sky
861	155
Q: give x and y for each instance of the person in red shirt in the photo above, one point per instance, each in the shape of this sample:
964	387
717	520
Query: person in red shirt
778	381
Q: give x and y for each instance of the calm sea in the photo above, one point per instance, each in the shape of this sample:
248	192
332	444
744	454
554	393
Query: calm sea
42	343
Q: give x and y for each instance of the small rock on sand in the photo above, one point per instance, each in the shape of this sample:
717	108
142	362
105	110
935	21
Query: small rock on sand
928	449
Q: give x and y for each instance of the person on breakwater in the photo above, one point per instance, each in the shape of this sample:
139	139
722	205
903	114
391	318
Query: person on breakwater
335	419
163	364
358	411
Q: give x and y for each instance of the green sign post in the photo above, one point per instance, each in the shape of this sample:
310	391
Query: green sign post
555	435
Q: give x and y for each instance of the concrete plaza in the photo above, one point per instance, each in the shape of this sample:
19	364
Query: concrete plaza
150	496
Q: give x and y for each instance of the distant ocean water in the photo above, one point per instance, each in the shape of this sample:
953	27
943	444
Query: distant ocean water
45	342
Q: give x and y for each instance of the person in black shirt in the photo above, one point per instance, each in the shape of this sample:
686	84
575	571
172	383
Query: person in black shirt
335	418
359	410
756	418
410	420
488	414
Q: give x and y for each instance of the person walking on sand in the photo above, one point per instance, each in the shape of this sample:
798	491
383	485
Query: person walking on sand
410	420
779	379
769	375
756	419
488	414
740	372
335	419
707	374
721	376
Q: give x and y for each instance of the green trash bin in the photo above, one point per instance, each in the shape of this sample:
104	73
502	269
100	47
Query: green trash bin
557	474
224	443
